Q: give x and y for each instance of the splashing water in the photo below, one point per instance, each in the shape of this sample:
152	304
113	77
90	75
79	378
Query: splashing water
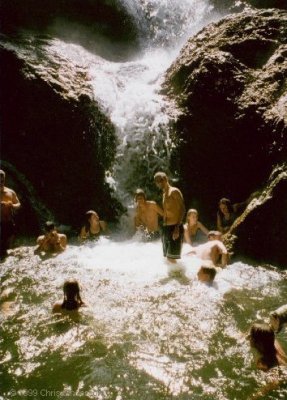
142	334
129	92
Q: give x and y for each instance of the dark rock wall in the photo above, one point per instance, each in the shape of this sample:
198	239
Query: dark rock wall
55	134
260	233
81	21
230	84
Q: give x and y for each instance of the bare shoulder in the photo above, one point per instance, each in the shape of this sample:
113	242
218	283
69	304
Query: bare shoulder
175	192
9	192
40	239
151	204
57	308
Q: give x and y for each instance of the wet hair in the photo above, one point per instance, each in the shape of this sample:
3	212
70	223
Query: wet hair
49	226
227	203
72	298
263	340
209	270
160	176
281	315
139	192
191	211
88	215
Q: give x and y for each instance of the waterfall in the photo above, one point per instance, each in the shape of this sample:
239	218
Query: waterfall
130	91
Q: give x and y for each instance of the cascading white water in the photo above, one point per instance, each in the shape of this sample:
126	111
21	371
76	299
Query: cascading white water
129	91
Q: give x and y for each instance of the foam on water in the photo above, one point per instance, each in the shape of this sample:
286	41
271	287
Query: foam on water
139	323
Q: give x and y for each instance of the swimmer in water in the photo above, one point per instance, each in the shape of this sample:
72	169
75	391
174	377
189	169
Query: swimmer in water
270	353
206	273
72	298
52	241
278	318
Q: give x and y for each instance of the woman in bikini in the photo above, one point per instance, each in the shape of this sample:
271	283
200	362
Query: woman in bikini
93	227
194	231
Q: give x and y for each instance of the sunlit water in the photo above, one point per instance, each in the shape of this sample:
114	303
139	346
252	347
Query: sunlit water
142	335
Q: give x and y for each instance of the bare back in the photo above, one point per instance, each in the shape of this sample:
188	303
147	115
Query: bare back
147	216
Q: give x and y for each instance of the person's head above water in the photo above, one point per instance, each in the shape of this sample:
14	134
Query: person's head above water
72	298
225	206
278	318
262	338
91	217
206	273
192	215
49	226
139	194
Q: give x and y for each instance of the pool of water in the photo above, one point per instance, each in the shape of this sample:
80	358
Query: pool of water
142	334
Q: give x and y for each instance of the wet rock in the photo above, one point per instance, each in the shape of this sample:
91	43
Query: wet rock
53	131
260	232
225	6
104	26
229	83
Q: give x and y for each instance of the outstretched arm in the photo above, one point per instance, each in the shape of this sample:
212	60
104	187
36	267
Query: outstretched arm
203	228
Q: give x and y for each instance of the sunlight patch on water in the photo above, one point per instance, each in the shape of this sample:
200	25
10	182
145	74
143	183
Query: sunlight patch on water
168	331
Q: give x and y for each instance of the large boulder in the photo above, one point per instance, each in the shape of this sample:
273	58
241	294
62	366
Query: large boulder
260	232
53	131
229	84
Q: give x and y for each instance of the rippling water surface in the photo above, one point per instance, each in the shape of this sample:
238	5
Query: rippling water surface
142	335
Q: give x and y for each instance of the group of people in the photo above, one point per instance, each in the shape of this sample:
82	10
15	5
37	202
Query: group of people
54	242
206	245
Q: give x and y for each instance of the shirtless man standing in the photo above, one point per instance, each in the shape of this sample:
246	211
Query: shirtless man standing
214	250
173	214
9	204
147	213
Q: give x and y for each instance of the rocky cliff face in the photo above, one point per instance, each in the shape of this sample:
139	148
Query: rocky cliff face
229	83
53	131
260	232
88	22
225	6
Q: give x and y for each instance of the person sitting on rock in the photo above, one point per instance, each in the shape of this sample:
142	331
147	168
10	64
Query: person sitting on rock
93	227
213	250
227	212
51	241
72	298
194	231
147	213
206	273
278	318
262	339
9	205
